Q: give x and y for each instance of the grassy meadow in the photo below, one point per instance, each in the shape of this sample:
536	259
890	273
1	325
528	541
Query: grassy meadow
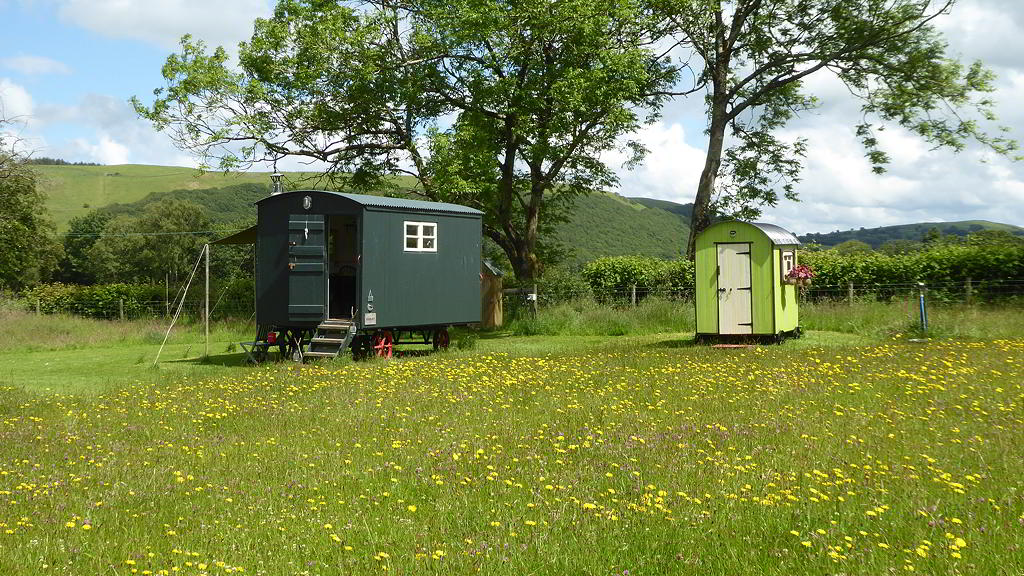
851	451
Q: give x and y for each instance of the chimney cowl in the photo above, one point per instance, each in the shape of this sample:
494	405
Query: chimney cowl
276	179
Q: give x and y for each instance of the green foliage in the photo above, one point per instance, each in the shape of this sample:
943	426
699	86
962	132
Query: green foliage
853	247
563	284
587	317
539	92
83	233
615	277
29	251
97	301
610	225
165	240
752	58
940	265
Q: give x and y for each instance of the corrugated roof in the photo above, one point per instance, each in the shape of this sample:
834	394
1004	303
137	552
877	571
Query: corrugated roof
397	203
780	236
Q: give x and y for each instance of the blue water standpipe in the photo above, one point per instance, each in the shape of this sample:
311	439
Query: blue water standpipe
923	307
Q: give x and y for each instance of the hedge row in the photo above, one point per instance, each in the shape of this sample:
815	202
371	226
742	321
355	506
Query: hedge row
617	276
97	301
942	266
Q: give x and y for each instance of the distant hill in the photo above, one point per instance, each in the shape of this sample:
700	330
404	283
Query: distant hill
75	190
601	224
915	232
611	225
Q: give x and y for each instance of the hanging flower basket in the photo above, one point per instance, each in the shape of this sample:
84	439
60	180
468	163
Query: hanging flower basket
800	276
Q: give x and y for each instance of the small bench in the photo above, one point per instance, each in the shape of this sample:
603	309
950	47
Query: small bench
256	352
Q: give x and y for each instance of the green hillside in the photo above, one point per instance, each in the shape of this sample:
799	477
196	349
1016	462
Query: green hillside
685	211
610	225
74	190
914	232
600	225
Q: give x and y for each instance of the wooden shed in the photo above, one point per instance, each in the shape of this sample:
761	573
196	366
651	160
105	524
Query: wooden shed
741	289
335	270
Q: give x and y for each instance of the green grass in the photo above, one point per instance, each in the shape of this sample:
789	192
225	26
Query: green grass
878	320
70	354
839	453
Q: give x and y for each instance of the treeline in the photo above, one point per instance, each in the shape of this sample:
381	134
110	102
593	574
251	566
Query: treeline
905	237
45	161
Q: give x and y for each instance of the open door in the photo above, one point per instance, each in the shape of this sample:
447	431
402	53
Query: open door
307	273
734	291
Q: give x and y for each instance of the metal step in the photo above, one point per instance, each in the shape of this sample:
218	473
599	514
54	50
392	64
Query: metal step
332	337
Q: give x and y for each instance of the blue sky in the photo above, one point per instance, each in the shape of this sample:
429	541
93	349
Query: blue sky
68	68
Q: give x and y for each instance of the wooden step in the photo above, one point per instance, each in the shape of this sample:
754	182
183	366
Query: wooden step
311	354
322	340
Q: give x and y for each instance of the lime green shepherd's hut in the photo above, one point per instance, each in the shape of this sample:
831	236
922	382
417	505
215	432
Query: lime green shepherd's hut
741	288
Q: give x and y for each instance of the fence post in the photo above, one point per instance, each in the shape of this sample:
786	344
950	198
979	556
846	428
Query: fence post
38	312
534	300
632	294
850	292
969	289
120	309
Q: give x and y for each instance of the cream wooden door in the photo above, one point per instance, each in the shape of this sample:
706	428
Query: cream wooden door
734	304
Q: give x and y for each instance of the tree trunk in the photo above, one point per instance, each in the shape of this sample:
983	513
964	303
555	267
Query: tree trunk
700	219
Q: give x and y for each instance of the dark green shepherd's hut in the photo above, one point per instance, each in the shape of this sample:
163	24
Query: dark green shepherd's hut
335	270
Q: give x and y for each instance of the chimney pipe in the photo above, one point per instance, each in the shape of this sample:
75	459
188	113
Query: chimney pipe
276	179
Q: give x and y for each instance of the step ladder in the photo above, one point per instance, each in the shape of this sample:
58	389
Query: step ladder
331	338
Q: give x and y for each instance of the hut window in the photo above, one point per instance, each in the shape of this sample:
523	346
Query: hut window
420	236
788	262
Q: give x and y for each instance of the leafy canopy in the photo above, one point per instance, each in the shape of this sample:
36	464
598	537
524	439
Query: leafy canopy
505	107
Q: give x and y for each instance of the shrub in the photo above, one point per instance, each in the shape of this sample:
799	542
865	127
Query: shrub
97	301
614	277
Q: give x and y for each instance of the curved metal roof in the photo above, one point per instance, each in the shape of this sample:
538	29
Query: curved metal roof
391	203
778	235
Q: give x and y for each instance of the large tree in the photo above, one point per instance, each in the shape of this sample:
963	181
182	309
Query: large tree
507	107
750	58
29	250
164	242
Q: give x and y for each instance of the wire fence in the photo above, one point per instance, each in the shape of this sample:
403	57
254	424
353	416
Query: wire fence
516	301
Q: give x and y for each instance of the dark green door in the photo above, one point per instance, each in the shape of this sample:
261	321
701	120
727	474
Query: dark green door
307	274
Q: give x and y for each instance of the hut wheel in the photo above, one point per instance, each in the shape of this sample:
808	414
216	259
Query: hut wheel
383	343
441	339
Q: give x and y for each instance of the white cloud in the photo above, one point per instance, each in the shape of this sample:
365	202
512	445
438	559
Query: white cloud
15	102
669	172
106	151
34	65
164	22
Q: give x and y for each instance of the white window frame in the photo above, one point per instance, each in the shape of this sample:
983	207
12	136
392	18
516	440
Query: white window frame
783	260
419	236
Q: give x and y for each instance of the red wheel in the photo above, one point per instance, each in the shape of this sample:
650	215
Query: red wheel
383	343
441	339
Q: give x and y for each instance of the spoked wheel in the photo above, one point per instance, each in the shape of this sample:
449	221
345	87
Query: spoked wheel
383	343
441	339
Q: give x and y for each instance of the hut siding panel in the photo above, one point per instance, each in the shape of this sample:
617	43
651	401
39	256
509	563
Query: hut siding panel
421	288
786	309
